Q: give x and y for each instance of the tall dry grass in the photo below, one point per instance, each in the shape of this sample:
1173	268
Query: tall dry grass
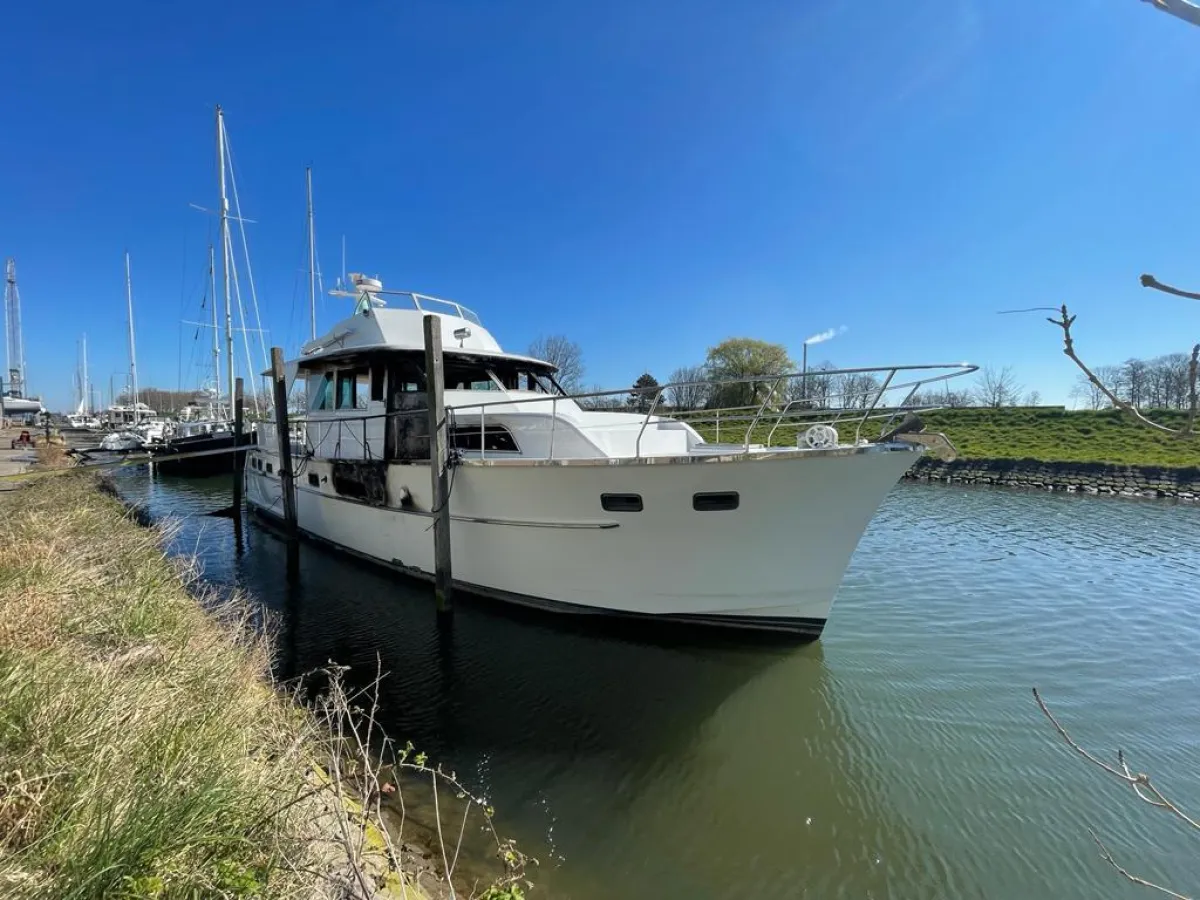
143	752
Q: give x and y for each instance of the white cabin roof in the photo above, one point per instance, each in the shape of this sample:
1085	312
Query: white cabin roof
376	326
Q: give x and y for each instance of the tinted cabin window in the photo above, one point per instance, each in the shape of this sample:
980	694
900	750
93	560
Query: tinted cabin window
466	375
320	391
716	501
621	502
377	384
492	438
353	388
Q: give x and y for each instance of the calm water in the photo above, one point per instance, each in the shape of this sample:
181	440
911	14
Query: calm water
901	756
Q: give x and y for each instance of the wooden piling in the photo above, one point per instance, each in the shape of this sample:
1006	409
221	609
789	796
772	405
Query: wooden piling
443	579
239	460
284	440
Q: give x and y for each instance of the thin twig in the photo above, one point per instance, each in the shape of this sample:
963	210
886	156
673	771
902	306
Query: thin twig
1108	858
1137	782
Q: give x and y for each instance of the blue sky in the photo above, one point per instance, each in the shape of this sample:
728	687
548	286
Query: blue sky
646	178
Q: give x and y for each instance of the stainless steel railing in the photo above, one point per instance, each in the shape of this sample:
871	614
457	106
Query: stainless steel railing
774	406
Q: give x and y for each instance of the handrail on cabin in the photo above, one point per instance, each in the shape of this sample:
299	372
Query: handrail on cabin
804	407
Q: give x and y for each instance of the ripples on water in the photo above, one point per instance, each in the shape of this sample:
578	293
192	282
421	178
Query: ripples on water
902	756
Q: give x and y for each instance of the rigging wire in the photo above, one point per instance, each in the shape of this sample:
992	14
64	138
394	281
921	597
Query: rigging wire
246	249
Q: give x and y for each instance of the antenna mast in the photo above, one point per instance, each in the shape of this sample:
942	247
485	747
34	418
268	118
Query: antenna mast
132	346
16	343
312	258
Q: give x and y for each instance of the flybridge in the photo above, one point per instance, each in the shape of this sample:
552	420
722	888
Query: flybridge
369	293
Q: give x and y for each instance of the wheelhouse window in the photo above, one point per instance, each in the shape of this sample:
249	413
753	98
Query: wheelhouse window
353	388
469	375
320	391
491	439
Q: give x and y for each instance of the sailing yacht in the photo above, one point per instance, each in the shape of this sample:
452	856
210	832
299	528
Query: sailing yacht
207	445
561	507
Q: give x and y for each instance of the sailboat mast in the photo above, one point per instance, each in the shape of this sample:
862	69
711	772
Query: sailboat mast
87	388
132	346
225	251
212	300
312	257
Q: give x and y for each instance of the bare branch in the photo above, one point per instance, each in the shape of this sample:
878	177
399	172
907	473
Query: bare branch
1107	857
1151	282
1139	782
1065	321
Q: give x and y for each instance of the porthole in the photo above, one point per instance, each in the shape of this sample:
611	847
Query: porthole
621	502
715	501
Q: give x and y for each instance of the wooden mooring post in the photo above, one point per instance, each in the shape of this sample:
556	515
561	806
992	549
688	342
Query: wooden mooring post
239	460
284	440
439	467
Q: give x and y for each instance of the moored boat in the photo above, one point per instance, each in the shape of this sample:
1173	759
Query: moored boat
570	509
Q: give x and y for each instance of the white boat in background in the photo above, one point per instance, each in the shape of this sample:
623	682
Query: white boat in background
557	506
121	442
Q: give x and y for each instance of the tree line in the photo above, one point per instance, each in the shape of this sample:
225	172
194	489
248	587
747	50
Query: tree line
692	387
1158	383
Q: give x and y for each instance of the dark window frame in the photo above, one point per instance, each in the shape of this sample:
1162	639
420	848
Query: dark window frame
716	501
621	502
496	439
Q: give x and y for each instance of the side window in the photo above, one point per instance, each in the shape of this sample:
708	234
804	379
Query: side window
320	391
377	383
492	438
353	388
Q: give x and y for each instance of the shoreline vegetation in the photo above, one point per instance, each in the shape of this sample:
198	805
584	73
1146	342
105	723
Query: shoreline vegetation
146	753
1050	448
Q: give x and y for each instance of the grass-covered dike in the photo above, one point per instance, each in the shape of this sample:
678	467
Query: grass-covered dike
1049	434
144	752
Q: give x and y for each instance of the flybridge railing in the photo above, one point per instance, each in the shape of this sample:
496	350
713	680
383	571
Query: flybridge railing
425	303
793	401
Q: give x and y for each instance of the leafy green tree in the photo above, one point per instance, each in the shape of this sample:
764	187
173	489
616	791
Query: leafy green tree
745	358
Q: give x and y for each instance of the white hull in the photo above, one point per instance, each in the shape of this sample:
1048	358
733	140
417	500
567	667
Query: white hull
537	533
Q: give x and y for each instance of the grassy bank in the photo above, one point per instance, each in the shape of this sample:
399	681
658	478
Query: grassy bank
1043	434
143	752
1053	435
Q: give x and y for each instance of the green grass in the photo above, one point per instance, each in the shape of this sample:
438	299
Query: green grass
143	752
1043	434
1051	435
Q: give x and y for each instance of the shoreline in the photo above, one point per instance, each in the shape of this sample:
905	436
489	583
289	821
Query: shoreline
1100	479
149	750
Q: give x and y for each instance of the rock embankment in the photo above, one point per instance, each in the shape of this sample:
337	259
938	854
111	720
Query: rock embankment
1088	478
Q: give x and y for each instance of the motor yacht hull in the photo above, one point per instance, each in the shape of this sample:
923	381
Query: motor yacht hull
751	541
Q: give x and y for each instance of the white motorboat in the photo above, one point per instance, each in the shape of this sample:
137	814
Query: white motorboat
121	442
558	506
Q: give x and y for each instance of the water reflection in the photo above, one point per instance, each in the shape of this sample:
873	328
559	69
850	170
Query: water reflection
901	756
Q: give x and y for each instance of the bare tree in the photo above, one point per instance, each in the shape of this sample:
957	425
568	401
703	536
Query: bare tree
856	390
1033	398
997	388
1065	320
815	388
565	355
689	388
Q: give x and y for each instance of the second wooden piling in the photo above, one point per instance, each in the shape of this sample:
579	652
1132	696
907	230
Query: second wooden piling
439	504
284	440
